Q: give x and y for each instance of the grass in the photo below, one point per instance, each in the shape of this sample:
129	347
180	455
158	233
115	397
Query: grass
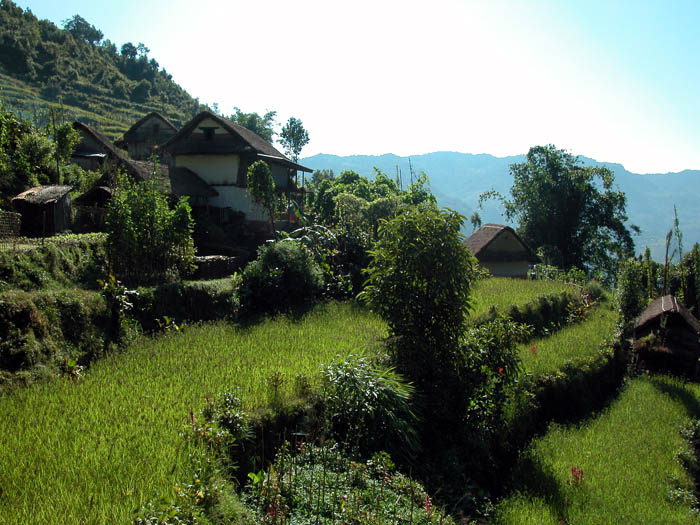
628	457
575	342
95	449
502	292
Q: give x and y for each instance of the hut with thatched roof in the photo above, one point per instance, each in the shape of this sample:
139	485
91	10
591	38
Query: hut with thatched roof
667	337
45	210
501	251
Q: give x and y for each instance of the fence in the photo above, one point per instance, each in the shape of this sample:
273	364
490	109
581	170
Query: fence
10	224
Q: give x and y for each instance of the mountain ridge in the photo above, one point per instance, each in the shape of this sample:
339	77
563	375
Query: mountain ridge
457	179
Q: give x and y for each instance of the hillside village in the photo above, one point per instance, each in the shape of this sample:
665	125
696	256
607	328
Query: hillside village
198	328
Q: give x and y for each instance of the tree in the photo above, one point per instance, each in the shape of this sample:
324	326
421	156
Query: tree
83	30
262	126
419	282
262	188
294	138
568	211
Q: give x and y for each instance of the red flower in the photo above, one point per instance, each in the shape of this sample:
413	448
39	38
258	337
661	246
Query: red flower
533	349
500	370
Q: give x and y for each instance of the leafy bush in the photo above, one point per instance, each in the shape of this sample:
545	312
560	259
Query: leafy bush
368	407
320	484
283	276
420	277
147	240
630	294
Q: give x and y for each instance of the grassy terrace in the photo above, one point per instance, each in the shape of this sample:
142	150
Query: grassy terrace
627	456
578	341
94	450
502	293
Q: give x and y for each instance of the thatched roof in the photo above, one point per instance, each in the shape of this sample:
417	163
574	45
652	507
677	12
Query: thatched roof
131	133
250	141
667	304
184	181
132	167
43	194
479	242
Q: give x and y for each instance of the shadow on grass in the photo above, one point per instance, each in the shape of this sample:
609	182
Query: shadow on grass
678	393
538	481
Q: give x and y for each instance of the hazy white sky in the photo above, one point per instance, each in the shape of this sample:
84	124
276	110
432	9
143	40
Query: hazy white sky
615	80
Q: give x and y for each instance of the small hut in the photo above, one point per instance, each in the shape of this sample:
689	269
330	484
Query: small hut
667	337
501	251
45	210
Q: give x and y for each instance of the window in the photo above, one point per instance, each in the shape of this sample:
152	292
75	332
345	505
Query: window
208	133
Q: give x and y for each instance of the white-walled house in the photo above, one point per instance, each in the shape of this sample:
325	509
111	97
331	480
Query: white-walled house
219	152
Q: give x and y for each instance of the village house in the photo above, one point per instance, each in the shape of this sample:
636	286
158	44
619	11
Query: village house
142	139
501	251
219	153
45	210
667	337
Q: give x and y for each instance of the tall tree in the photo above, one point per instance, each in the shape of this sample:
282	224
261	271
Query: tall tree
294	138
569	211
83	30
263	126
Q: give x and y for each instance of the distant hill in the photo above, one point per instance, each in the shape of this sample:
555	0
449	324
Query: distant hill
80	76
457	180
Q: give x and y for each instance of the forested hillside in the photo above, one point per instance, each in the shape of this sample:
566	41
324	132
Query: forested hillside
80	75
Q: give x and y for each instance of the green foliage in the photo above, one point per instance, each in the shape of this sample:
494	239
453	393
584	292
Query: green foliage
560	208
283	276
320	484
261	186
193	301
419	280
262	126
294	138
73	72
490	364
147	240
369	407
630	294
63	260
81	29
43	330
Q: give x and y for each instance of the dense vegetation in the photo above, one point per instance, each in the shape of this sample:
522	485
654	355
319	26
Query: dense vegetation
75	73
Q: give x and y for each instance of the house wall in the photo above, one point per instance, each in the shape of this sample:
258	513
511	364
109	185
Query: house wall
238	199
507	269
213	169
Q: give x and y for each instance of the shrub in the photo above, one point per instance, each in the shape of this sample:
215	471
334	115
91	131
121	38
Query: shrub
283	276
368	407
420	277
320	484
147	240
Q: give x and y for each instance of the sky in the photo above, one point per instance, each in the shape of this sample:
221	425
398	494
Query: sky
614	80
